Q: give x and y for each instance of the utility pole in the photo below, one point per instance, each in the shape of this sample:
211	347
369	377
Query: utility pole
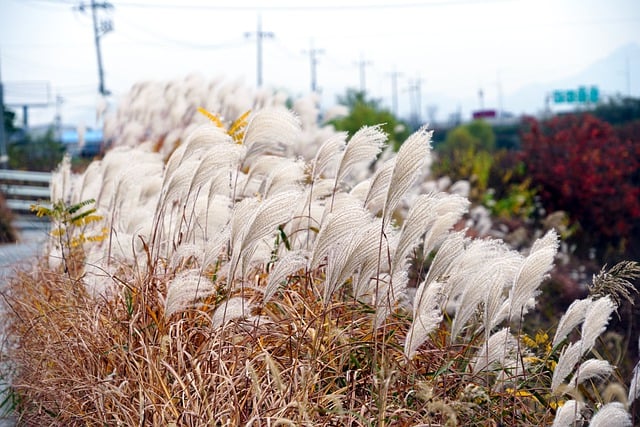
3	137
415	92
362	64
259	36
394	91
99	29
313	59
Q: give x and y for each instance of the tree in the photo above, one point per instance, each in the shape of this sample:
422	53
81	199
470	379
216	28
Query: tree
467	153
368	112
583	166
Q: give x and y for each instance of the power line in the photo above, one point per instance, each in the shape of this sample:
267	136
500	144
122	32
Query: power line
309	8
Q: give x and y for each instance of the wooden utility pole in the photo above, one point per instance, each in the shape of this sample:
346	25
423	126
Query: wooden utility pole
259	36
313	59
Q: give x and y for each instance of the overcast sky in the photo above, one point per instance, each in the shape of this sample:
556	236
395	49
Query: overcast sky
452	47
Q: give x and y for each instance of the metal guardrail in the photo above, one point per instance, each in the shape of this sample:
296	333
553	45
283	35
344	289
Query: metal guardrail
21	189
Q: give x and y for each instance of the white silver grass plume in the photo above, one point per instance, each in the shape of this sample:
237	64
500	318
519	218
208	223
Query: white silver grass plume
427	315
287	177
178	185
410	160
231	309
568	414
186	252
452	247
364	283
486	287
334	228
61	181
506	265
327	155
185	289
634	387
270	131
611	415
200	140
379	186
343	259
591	369
269	214
497	350
220	159
533	270
288	264
420	217
568	359
448	210
571	318
595	321
363	146
390	288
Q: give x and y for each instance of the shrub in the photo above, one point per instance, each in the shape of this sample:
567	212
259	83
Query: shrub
7	232
581	165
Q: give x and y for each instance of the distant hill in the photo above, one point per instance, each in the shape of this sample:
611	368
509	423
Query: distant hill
609	74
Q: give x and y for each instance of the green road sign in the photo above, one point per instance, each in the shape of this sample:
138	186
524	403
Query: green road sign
583	95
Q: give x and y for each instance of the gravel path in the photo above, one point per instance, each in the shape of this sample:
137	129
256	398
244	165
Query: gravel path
15	256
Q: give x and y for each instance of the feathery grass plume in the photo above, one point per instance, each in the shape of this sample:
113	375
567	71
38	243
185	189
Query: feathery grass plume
60	188
452	247
571	318
378	187
533	270
218	159
592	368
268	214
568	359
334	228
411	157
506	265
178	186
569	414
270	131
198	141
497	350
364	281
419	218
327	155
486	286
289	263
185	289
471	262
611	415
595	321
616	282
215	242
287	177
185	253
448	210
427	315
634	386
363	146
231	309
344	258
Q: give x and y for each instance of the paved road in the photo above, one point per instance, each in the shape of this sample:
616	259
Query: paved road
14	256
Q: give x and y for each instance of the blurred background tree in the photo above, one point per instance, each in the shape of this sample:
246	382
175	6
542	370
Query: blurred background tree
365	111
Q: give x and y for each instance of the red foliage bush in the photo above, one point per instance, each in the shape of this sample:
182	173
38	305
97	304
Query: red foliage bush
589	169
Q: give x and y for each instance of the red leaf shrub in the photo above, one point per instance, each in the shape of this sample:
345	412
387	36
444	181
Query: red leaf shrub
589	169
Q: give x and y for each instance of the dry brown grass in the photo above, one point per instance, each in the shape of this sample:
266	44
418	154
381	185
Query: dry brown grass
119	361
